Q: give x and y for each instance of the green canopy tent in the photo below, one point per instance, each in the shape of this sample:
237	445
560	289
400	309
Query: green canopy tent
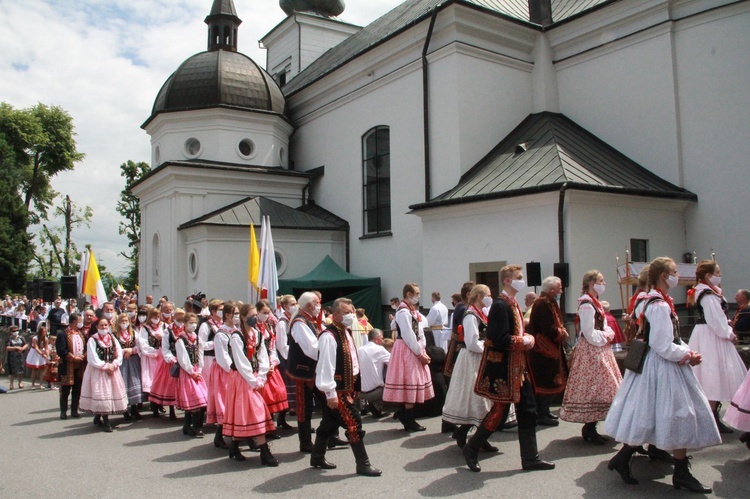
334	282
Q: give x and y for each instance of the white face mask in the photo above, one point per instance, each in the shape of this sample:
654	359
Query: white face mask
349	319
166	315
109	315
672	281
518	284
192	327
124	325
293	309
316	311
142	318
487	301
79	324
155	321
236	319
394	307
131	315
715	280
414	300
599	288
103	331
262	317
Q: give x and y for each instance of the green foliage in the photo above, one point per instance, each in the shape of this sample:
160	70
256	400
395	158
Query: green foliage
15	248
129	207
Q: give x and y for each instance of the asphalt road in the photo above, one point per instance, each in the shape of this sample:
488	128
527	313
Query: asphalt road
43	456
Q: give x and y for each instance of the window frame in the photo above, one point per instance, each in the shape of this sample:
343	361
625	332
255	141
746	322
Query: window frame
380	187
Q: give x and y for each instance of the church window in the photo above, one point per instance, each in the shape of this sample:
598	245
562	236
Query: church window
246	148
639	250
193	264
155	259
282	157
376	192
192	147
157	156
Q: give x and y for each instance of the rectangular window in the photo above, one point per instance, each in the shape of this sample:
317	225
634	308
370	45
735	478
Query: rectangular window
639	250
376	175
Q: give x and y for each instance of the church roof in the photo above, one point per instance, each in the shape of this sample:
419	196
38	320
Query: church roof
547	151
251	210
410	13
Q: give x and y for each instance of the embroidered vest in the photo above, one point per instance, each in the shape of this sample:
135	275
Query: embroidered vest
192	350
701	313
414	328
299	365
126	344
343	374
647	325
211	336
482	324
244	347
106	354
153	341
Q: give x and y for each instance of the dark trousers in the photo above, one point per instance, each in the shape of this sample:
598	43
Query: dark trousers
542	404
345	416
525	411
65	393
306	394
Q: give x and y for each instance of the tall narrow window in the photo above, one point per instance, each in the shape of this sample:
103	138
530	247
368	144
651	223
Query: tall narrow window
376	191
639	250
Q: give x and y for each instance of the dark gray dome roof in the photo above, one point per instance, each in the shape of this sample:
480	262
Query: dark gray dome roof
219	78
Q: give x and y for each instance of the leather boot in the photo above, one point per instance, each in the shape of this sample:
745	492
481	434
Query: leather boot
656	454
745	439
621	463
722	427
281	421
318	457
589	434
186	427
530	460
683	478
234	451
134	412
63	406
400	414
106	427
460	434
197	422
410	423
305	437
335	441
74	409
155	409
471	449
266	457
172	414
447	427
363	462
219	439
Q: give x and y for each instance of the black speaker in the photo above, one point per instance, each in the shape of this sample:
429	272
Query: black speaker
49	291
69	287
533	274
36	290
561	270
30	290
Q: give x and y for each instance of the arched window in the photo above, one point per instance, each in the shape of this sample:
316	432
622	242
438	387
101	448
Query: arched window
376	180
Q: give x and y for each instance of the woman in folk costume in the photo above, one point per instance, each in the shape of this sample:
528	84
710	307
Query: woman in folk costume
191	388
594	375
274	391
39	354
288	308
149	348
738	412
463	406
722	371
103	390
164	388
247	415
408	380
221	367
131	364
206	332
664	404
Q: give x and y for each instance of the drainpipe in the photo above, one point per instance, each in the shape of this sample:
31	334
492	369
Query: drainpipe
426	107
561	238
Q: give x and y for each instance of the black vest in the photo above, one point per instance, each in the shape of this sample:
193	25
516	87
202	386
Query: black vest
344	377
701	313
107	355
300	366
647	325
192	350
482	324
244	347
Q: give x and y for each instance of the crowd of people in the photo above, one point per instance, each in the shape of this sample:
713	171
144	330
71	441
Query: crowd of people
244	368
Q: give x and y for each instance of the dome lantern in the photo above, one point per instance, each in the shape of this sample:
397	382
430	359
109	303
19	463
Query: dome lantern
222	26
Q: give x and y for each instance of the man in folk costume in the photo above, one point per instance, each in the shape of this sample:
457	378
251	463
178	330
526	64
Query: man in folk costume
71	347
303	358
337	377
503	376
547	363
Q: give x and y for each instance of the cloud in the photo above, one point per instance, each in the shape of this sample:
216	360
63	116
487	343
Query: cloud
104	61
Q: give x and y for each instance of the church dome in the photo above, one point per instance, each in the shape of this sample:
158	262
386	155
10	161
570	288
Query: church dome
219	78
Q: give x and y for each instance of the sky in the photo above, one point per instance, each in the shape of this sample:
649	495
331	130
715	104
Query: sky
104	61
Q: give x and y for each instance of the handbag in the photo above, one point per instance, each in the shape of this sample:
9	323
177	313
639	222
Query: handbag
174	370
636	356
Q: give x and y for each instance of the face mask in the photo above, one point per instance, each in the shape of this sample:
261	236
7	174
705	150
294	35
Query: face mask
109	315
251	321
192	327
715	280
79	324
293	309
518	284
166	315
124	325
155	321
316	311
414	300
487	301
262	317
131	315
599	288
236	319
178	324
103	331
394	307
349	320
672	281
142	318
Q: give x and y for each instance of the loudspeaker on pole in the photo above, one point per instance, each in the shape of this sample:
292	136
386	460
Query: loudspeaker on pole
561	270
69	287
533	274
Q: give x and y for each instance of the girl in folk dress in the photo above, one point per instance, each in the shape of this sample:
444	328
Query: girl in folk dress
594	375
274	391
664	404
408	380
462	405
164	388
722	371
247	415
738	412
103	391
149	347
131	364
191	388
15	347
221	367
39	355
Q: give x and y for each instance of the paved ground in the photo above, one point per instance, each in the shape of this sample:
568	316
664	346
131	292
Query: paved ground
43	456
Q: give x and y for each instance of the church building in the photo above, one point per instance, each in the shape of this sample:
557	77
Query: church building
450	137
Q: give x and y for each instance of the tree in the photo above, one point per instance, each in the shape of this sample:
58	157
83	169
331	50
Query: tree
129	207
15	249
57	243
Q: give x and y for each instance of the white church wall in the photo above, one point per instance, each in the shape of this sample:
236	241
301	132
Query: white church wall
282	44
318	35
713	74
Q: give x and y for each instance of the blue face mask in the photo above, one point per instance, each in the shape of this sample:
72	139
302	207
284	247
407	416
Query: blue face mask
251	321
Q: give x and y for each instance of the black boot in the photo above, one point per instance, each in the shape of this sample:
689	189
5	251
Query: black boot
134	412
63	406
683	478
335	441
197	422
172	414
410	424
281	422
363	462
234	451
471	449
219	439
106	427
722	427
488	447
127	416
266	457
305	437
97	420
447	427
530	460
155	409
461	433
745	439
187	429
74	409
400	414
621	463
318	457
589	434
656	454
